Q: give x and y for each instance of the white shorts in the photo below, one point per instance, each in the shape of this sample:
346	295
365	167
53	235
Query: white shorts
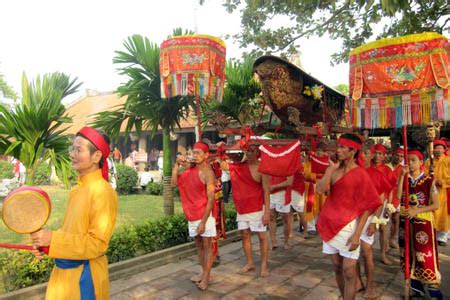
298	202
364	237
277	202
338	244
251	220
210	227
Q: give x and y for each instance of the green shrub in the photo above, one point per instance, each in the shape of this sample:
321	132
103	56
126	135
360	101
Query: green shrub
19	269
42	174
127	179
123	244
154	188
6	170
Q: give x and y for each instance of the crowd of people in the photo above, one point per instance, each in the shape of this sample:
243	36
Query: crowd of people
346	196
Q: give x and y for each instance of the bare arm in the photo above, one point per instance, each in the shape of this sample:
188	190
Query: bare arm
324	185
266	187
210	192
174	179
286	183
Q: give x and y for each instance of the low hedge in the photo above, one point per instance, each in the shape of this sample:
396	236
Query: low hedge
127	179
19	269
154	188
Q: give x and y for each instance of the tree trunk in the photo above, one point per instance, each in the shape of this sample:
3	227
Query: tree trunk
167	174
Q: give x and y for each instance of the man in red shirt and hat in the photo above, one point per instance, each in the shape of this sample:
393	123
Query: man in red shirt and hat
379	157
197	187
345	212
251	190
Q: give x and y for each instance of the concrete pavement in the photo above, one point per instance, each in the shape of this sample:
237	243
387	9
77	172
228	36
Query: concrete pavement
299	273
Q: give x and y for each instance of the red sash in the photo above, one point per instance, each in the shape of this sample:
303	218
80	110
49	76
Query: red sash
192	194
280	161
248	195
349	198
379	180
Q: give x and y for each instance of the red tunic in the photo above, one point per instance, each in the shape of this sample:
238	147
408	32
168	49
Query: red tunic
288	195
298	183
349	198
248	195
319	165
379	181
192	194
388	174
397	172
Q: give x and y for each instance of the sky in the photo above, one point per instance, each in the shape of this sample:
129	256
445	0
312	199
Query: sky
79	37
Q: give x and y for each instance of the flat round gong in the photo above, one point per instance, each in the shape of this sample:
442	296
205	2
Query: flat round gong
26	209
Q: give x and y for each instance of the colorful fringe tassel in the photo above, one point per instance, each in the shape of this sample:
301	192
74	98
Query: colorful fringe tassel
397	111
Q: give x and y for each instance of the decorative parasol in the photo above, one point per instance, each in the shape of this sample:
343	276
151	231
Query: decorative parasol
397	82
193	65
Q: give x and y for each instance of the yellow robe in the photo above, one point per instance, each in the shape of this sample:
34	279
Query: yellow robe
442	172
87	228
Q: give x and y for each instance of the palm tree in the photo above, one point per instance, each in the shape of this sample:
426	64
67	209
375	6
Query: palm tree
144	107
6	90
33	130
241	101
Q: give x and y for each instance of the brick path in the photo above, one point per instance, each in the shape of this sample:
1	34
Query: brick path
299	273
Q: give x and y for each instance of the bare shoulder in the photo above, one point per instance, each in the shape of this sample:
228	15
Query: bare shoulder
257	176
206	173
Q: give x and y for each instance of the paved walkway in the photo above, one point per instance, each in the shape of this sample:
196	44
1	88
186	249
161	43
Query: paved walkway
299	273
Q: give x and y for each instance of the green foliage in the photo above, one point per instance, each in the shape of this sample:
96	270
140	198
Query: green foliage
154	188
6	90
42	175
127	179
19	269
240	100
6	170
33	131
275	26
343	88
123	244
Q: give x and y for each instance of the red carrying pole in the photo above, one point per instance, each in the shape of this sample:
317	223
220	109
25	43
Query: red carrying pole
407	224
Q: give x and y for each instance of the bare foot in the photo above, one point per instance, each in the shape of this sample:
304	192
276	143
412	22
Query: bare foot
371	293
246	269
305	235
359	286
264	271
386	261
196	278
393	244
287	246
202	285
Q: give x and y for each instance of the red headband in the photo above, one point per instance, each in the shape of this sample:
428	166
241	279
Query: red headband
416	153
201	146
380	148
440	143
348	143
99	142
400	151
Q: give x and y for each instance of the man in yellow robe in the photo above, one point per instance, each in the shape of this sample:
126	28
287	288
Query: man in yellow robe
441	168
79	246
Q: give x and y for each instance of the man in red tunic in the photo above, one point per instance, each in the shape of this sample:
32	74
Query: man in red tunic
197	185
379	157
345	212
396	166
251	198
